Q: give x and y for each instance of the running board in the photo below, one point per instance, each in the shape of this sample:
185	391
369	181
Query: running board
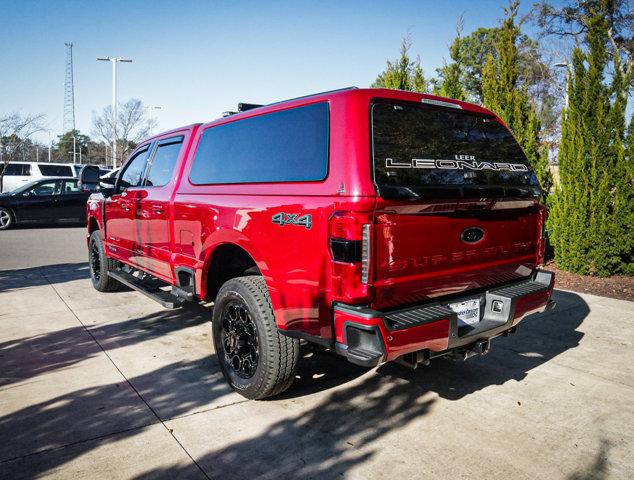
166	299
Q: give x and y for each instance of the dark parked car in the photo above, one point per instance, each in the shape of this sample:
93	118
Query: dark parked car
47	200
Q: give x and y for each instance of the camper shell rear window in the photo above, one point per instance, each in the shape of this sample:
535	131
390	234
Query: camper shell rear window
422	150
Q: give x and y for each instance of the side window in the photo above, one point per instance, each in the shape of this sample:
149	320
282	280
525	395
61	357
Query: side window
163	162
46	188
284	146
133	173
55	170
70	186
17	169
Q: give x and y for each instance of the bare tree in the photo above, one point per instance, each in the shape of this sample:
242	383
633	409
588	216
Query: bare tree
16	131
133	125
569	21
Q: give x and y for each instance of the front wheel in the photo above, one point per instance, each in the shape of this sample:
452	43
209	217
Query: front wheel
6	219
256	360
100	264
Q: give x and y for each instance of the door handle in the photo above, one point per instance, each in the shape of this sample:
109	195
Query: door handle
158	209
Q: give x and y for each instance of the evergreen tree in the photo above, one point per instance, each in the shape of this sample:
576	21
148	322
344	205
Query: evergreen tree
592	212
64	151
505	94
403	74
451	75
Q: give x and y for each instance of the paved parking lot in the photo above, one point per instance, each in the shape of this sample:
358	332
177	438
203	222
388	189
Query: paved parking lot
112	386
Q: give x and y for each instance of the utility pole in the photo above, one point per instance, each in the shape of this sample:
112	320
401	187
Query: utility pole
114	61
69	91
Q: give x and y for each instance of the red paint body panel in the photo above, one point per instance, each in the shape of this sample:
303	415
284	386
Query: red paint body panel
417	252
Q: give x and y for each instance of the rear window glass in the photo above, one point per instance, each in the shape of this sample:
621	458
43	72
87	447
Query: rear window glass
17	169
285	146
56	170
425	150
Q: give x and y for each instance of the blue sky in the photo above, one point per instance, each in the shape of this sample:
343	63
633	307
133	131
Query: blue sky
199	58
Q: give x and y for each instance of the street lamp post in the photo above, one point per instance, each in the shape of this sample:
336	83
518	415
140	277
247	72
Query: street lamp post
567	67
151	108
114	61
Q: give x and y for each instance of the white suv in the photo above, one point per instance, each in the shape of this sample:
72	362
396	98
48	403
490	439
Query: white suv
17	174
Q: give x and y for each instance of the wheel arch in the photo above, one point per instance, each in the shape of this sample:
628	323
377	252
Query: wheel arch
226	261
92	225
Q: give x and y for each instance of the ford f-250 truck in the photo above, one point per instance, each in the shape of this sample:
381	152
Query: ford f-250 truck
384	225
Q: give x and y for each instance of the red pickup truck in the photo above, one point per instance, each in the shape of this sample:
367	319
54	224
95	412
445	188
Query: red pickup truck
381	224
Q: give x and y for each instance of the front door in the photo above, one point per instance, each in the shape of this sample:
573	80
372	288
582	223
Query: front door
39	203
154	207
121	209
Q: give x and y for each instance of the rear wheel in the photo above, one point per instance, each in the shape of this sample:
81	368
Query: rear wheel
100	265
256	360
6	219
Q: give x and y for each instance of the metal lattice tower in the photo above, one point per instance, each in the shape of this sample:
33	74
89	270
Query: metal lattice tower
69	91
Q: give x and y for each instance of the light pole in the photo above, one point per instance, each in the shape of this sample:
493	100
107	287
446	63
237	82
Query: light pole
567	67
74	151
50	143
151	108
114	61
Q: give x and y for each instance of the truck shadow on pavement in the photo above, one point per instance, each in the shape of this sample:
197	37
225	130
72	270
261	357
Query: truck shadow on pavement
327	437
328	422
37	276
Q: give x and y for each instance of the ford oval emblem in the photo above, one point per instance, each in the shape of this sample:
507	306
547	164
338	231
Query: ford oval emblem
472	235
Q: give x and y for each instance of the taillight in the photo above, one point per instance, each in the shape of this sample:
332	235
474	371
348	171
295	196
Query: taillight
349	239
541	247
366	245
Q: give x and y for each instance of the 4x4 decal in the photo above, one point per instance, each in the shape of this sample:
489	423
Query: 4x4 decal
293	219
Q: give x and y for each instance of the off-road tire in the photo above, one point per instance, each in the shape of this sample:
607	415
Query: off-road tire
9	220
100	265
278	354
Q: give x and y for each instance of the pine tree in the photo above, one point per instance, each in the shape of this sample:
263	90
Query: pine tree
403	74
450	84
592	215
503	93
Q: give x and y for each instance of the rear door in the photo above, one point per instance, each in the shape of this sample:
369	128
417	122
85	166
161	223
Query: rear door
154	212
121	209
15	175
72	201
458	203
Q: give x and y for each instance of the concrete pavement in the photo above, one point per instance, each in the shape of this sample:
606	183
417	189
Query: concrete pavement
112	386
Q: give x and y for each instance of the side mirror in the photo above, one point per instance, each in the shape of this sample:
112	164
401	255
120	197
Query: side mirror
89	178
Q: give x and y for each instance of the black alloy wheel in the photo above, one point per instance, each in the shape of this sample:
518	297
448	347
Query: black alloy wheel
100	264
239	339
255	358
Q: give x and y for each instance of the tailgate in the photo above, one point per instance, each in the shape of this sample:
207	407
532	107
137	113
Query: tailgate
421	255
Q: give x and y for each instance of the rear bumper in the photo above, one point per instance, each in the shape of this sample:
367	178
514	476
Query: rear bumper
368	337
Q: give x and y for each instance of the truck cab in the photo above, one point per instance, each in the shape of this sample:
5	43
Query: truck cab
383	225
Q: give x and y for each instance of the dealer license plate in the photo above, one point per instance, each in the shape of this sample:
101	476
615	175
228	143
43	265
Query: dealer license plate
468	311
